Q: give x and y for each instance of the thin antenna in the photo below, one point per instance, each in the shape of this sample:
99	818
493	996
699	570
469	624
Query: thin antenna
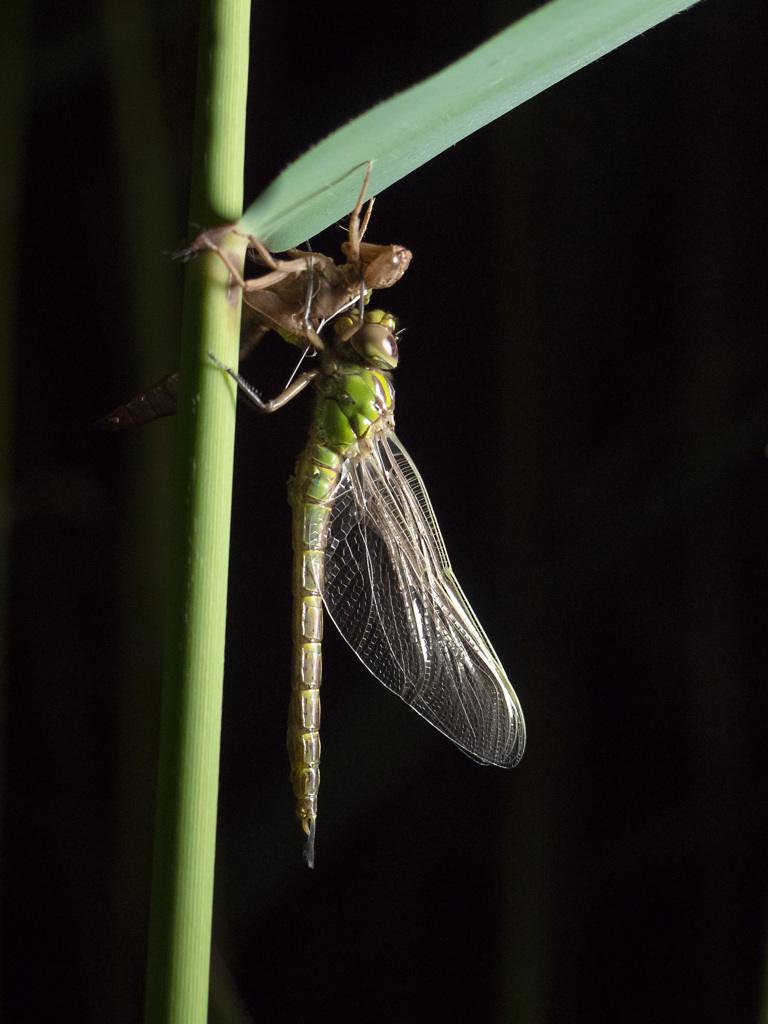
304	355
307	310
310	289
341	309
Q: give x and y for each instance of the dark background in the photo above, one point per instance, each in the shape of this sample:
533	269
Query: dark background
583	386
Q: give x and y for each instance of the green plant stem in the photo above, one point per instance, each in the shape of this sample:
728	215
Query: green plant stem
185	833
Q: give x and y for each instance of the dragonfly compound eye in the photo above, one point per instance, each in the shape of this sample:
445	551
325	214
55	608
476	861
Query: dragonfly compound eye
376	344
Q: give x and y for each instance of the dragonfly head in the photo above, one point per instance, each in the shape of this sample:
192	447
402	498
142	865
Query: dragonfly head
372	339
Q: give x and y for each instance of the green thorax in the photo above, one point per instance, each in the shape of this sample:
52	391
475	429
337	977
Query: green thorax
355	398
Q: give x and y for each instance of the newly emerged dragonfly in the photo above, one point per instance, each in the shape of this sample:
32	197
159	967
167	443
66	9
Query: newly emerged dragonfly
367	546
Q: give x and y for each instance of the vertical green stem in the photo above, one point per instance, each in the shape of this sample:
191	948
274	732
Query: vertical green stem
182	887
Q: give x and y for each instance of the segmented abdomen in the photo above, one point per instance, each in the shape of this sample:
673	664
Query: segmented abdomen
311	495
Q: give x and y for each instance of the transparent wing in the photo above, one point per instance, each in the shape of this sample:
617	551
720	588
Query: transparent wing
390	590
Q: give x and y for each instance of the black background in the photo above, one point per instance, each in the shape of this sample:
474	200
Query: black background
583	386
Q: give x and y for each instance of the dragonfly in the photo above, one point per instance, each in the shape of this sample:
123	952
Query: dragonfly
367	548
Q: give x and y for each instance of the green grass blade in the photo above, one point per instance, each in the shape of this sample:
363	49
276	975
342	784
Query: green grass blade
407	130
182	888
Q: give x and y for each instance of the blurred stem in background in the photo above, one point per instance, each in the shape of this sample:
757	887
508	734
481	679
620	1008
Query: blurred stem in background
143	146
13	105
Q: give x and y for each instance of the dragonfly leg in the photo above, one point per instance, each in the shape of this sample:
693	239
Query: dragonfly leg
351	249
250	392
379	266
280	268
298	262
